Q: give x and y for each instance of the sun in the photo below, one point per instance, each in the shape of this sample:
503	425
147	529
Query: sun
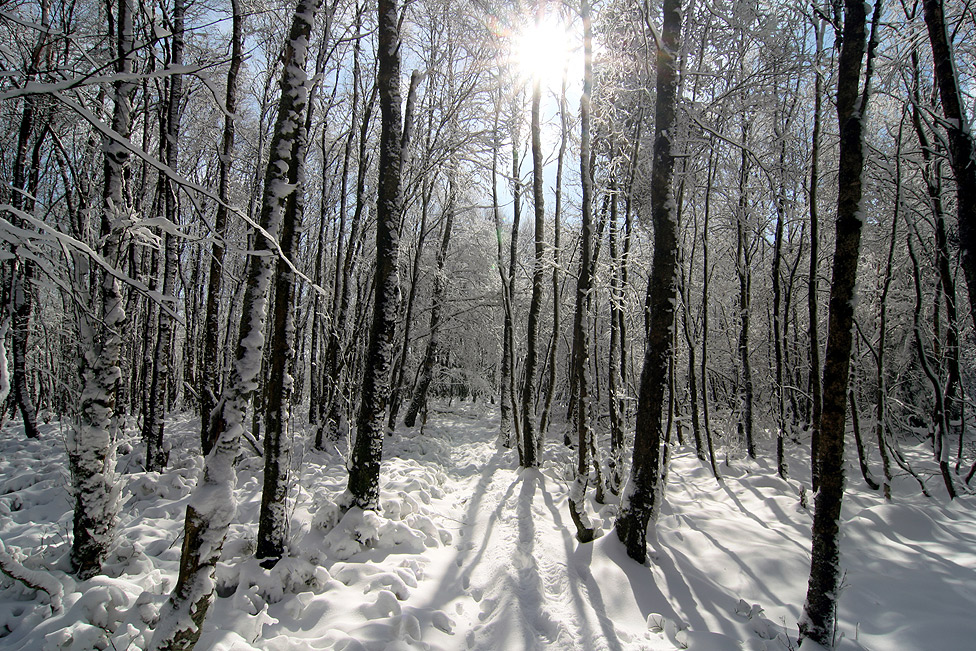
545	50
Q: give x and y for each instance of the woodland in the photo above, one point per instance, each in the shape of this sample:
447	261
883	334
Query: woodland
261	245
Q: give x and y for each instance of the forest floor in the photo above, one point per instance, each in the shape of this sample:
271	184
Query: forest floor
471	553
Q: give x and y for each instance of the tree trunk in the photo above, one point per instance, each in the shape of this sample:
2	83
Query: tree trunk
744	269
530	452
640	495
706	277
426	192
880	428
400	367
210	361
437	305
859	443
364	464
91	443
584	433
781	468
614	379
212	505
941	416
556	233
509	409
962	152
152	429
818	619
812	298
22	199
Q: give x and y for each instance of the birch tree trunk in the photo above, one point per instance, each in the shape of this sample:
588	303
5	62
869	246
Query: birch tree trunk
91	443
212	505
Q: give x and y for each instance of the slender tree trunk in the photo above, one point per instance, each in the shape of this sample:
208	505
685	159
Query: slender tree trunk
437	305
364	465
962	152
781	468
584	433
744	269
505	379
152	429
22	200
812	294
614	379
509	373
210	361
818	619
640	496
529	449
399	369
859	443
212	505
880	427
706	277
941	425
426	193
556	233
345	254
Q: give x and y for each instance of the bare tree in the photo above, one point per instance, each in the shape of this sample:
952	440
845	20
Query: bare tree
367	449
640	497
818	619
212	505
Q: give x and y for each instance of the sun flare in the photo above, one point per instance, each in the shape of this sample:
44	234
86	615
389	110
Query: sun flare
545	51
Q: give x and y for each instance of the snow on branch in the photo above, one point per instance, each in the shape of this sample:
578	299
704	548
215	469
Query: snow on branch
33	579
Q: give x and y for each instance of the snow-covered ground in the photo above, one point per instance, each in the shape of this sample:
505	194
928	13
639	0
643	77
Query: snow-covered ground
469	552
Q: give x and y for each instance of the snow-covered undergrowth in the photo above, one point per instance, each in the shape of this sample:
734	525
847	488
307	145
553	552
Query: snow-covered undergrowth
470	552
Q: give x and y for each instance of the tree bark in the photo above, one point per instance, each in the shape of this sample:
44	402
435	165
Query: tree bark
210	360
818	619
366	453
212	504
91	444
641	494
152	429
962	152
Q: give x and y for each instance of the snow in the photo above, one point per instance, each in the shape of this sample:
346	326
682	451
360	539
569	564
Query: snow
468	551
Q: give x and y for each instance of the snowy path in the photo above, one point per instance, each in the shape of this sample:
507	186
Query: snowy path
517	555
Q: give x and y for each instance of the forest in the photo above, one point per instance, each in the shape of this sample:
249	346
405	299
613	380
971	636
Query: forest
468	324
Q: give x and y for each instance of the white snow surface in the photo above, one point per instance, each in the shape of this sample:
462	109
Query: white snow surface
471	553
